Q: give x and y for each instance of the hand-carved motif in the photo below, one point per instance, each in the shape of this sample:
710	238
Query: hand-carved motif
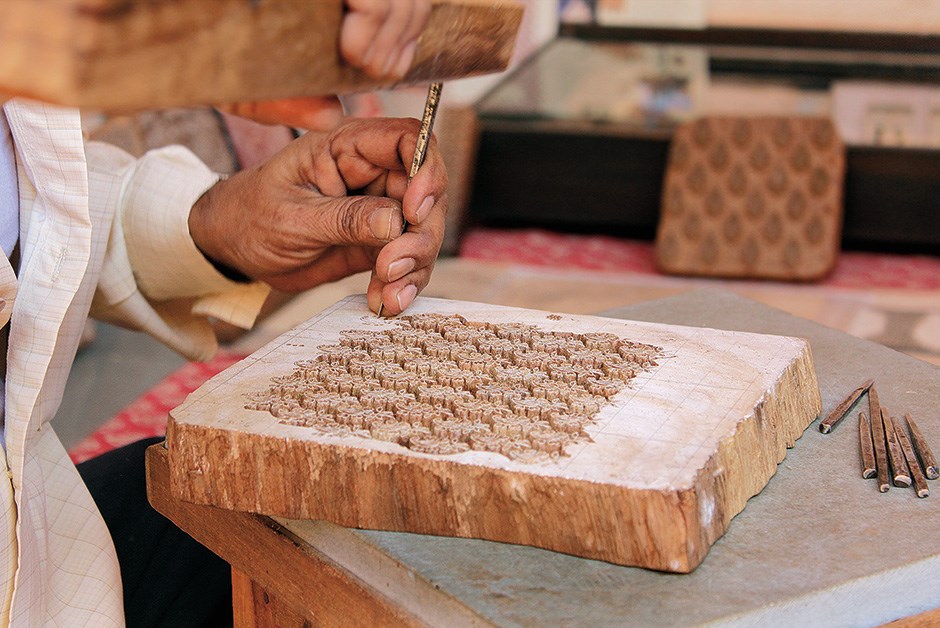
443	385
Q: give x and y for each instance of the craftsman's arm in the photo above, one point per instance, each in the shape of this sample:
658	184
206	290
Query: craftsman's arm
327	206
330	205
153	278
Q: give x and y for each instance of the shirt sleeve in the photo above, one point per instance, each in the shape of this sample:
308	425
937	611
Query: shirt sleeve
150	251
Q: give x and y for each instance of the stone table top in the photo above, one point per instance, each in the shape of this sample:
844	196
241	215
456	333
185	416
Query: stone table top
818	545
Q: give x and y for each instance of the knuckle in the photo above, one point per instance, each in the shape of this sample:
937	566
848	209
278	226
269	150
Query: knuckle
346	222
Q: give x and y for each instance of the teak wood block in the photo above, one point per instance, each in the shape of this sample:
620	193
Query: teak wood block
672	458
140	54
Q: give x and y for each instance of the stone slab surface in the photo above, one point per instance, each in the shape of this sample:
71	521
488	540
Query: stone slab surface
818	545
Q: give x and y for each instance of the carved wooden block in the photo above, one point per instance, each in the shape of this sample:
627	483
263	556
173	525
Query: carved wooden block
752	197
629	442
144	54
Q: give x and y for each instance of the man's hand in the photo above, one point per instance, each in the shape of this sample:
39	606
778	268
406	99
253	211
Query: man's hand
331	205
380	36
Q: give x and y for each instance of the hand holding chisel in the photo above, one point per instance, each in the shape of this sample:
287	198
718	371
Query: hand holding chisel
424	138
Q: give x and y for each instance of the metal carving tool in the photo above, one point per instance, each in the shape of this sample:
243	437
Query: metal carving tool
424	138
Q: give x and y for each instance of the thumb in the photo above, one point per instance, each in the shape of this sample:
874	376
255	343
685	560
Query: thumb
355	220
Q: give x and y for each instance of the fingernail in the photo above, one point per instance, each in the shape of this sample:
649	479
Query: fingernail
397	270
382	223
387	66
404	61
375	301
405	296
424	208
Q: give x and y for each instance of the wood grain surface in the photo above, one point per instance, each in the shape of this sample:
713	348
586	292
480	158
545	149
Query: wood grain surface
917	474
139	54
876	412
866	447
671	459
842	410
255	607
318	590
923	450
899	471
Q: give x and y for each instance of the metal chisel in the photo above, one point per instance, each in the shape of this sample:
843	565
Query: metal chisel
424	138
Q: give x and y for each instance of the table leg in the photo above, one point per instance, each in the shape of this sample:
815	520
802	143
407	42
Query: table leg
254	607
300	577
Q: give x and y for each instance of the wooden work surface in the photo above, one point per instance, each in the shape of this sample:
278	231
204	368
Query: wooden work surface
141	54
670	459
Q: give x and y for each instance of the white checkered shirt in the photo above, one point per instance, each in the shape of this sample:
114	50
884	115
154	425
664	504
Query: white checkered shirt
104	232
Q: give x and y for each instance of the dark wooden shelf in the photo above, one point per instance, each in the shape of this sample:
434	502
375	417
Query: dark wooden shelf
767	37
534	169
566	179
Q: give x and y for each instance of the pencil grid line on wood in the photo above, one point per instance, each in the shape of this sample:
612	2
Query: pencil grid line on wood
443	385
